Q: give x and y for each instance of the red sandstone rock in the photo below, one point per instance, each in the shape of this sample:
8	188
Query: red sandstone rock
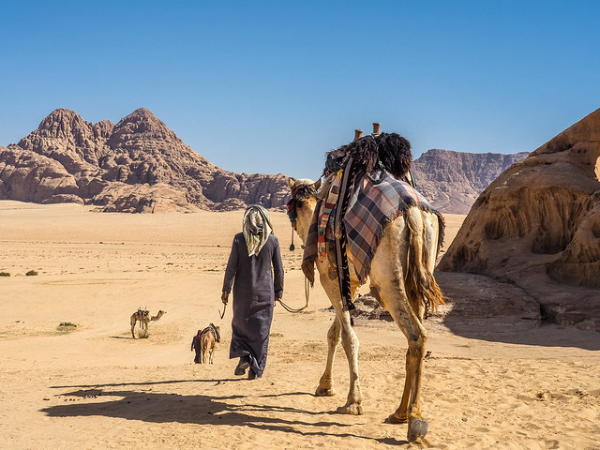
69	159
538	226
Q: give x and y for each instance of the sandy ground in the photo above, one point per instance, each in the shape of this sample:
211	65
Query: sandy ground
94	387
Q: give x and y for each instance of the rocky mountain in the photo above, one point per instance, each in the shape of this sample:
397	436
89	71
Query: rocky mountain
452	181
537	227
140	165
137	165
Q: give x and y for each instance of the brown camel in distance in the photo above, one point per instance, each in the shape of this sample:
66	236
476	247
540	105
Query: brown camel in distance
401	277
144	318
208	340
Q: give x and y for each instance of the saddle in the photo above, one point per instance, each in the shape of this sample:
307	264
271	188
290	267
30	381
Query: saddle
367	185
142	312
211	328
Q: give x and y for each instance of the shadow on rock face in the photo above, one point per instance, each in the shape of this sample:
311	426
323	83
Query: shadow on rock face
479	307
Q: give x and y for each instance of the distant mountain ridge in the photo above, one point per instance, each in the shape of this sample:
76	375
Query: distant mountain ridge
452	181
140	165
137	165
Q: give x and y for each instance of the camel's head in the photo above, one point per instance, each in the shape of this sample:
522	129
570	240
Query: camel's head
303	191
303	187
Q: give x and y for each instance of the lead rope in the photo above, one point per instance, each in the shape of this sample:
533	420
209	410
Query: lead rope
306	295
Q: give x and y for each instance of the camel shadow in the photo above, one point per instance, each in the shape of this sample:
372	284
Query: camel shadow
124	402
98	387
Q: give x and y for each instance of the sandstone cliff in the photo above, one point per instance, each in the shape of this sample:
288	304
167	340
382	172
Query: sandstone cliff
538	226
452	181
137	165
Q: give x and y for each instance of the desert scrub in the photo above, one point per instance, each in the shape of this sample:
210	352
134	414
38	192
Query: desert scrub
65	327
31	273
4	274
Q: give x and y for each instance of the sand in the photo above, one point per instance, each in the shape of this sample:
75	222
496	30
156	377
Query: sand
93	387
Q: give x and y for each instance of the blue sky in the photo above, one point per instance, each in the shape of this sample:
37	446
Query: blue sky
271	86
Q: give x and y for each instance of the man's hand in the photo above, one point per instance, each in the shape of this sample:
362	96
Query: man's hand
225	297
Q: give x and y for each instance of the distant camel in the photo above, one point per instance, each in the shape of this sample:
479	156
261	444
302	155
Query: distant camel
209	338
144	318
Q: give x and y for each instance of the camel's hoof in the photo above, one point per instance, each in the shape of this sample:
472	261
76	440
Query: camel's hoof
393	419
417	429
353	409
322	392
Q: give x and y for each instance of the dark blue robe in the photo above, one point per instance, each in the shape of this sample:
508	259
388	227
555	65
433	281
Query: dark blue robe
257	281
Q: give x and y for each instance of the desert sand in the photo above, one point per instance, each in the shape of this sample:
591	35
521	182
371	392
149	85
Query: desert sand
93	387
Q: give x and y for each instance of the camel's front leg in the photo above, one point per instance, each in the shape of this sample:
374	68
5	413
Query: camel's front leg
334	337
350	343
330	284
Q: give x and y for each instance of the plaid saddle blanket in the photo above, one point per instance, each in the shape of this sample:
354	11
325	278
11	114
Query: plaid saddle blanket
372	206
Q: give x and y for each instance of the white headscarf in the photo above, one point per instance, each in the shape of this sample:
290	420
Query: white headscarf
257	228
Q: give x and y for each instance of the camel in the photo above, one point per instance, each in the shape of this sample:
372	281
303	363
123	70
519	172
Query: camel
209	338
144	318
401	278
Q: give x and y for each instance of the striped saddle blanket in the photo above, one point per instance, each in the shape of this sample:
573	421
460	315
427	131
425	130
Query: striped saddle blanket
372	206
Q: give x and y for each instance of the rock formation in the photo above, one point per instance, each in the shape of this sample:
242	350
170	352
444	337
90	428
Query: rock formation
137	165
140	165
452	181
538	226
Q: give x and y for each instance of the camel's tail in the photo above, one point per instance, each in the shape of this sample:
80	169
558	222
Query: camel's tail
420	283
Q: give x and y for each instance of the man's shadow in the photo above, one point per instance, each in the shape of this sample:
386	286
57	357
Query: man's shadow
116	401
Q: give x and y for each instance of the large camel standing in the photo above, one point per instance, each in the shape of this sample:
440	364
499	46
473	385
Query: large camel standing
401	276
144	317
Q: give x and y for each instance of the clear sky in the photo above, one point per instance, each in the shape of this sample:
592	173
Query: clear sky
271	86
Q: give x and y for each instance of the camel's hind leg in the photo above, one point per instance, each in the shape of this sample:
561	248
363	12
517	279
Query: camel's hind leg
334	336
132	322
397	304
410	404
349	342
204	353
388	274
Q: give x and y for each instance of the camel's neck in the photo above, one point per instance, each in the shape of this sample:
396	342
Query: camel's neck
304	217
